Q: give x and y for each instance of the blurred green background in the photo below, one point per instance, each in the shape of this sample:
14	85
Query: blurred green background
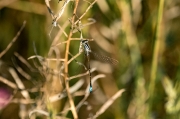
143	35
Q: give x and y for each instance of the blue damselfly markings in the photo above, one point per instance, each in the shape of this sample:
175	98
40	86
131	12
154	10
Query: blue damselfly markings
87	49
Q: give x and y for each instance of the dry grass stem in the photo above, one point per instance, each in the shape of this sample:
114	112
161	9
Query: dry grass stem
61	11
81	26
13	40
75	56
60	43
21	71
80	75
87	93
63	30
81	39
72	39
23	101
55	59
23	60
7	82
73	109
72	90
39	111
19	83
57	37
108	103
90	6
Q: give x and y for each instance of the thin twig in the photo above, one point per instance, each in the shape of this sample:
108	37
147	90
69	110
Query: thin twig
92	21
19	83
23	101
73	109
60	43
108	103
7	82
20	70
40	58
72	39
39	111
79	93
90	6
65	111
80	75
61	11
74	57
87	91
23	60
13	40
79	63
81	39
54	59
57	37
62	30
61	95
59	33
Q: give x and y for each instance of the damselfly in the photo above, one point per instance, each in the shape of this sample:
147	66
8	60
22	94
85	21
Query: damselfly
84	45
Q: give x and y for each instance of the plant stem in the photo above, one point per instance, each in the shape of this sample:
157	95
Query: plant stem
73	109
156	51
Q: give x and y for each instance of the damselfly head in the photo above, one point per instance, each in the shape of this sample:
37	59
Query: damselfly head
84	41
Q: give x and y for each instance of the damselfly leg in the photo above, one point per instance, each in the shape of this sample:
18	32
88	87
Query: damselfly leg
79	63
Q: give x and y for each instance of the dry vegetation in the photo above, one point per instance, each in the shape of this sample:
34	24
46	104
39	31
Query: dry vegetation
44	71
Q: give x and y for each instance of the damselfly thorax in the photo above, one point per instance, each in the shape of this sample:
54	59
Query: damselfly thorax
84	45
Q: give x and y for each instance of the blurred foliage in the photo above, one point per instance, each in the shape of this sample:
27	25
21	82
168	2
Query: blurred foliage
125	30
